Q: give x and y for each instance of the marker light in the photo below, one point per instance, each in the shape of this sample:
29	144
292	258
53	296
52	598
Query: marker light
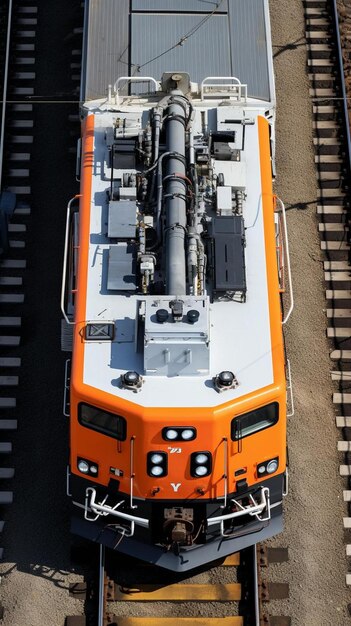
268	467
93	469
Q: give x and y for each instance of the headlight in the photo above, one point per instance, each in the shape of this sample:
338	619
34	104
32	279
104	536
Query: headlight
157	463
272	466
200	464
87	467
83	467
268	467
177	433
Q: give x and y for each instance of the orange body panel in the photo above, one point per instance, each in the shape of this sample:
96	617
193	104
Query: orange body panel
146	423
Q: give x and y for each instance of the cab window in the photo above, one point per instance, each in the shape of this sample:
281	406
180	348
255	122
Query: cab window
254	421
104	422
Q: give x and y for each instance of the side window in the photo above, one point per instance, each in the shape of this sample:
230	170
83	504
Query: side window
254	421
102	421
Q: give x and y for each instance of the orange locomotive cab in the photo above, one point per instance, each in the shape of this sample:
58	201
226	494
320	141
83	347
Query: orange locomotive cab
177	381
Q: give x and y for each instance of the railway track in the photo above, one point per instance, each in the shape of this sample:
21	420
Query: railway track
328	28
18	22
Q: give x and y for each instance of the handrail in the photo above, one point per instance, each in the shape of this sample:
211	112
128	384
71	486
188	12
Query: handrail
241	91
282	207
132	79
105	509
3	113
65	254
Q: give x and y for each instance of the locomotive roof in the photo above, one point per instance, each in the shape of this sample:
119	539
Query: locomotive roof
142	37
240	333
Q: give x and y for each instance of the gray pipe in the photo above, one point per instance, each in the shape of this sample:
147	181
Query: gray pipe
175	206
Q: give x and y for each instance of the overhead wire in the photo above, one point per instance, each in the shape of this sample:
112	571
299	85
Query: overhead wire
182	40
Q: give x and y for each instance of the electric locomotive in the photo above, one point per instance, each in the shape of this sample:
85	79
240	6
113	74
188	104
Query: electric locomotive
174	262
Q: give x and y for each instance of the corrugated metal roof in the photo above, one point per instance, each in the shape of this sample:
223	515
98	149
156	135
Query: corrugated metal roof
179	6
107	45
227	44
249	46
194	56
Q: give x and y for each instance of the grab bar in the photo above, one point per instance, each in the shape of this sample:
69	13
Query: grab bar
282	208
65	255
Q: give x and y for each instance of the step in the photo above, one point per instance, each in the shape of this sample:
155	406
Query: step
6	472
181	593
5	447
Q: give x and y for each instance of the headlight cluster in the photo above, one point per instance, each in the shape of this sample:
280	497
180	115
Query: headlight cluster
157	464
179	434
268	467
87	467
200	464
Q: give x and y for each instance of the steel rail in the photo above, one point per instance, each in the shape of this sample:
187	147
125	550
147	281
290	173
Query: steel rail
343	84
3	112
101	596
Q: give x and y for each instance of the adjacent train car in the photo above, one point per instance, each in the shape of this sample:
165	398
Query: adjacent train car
175	259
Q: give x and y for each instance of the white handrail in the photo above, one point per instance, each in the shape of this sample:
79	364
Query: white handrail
64	269
132	79
242	87
287	255
105	509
